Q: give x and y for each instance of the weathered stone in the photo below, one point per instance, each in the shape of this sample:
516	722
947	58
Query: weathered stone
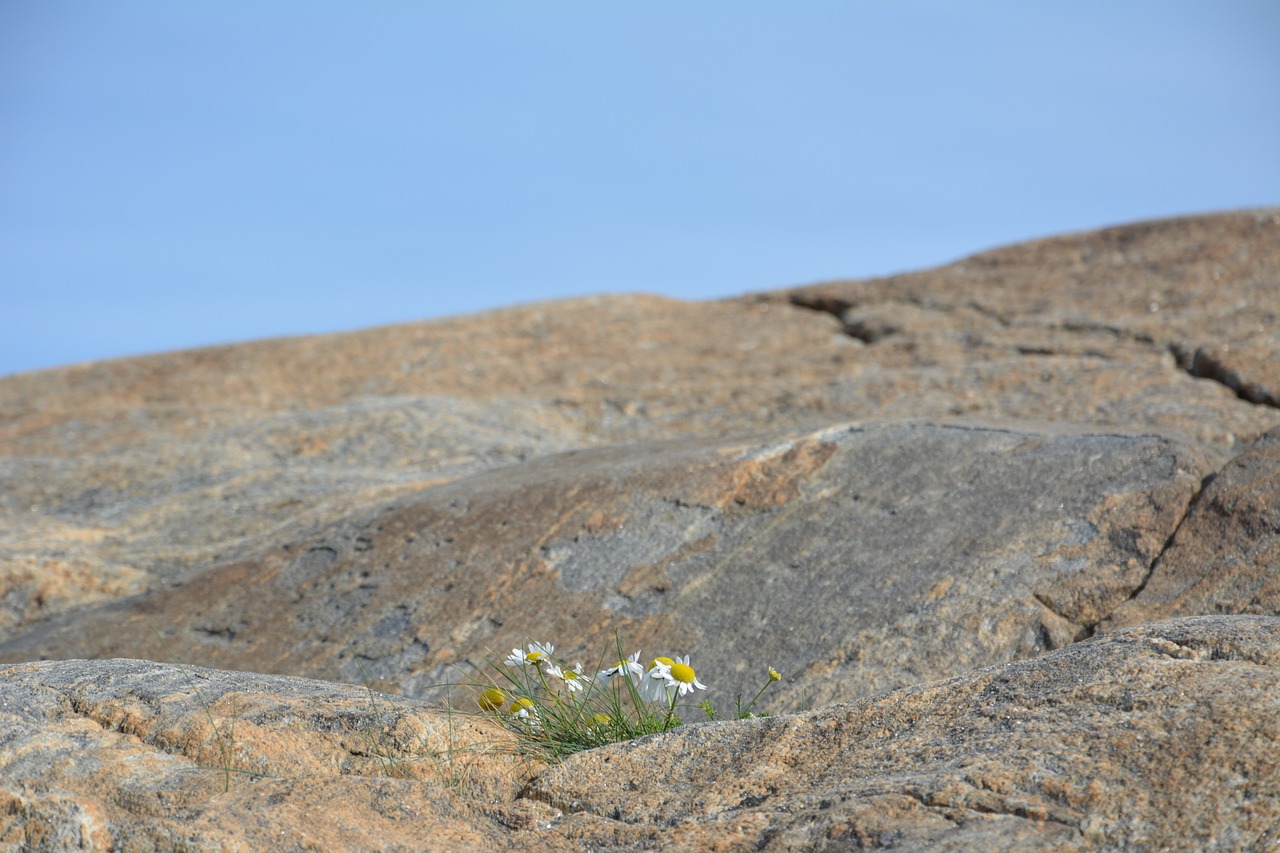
1083	328
132	755
1225	557
1146	738
867	484
912	551
1201	288
152	467
1153	738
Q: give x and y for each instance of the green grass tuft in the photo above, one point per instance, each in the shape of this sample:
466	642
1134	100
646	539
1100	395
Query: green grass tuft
557	711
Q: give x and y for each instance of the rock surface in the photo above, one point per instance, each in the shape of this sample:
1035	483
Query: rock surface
1024	460
134	755
1224	558
913	551
1156	737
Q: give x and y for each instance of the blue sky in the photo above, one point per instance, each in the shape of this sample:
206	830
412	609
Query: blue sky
174	174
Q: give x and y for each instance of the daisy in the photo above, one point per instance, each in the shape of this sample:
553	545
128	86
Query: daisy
655	684
572	678
524	713
628	667
538	654
682	677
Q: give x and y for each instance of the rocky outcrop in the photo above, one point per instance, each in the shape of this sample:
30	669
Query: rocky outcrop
1149	738
1157	737
1201	289
895	491
134	755
1225	557
913	551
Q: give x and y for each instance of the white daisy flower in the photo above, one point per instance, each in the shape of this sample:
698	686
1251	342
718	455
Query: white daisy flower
629	667
572	678
524	714
655	684
682	677
538	654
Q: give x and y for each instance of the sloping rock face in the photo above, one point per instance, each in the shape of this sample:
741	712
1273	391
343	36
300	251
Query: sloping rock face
133	755
1200	289
870	543
1225	555
1018	459
1096	746
1157	737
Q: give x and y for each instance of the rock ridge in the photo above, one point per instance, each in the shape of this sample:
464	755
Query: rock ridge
1091	747
1008	527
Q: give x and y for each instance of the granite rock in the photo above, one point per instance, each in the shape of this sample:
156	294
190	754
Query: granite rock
1225	556
913	551
956	504
135	755
1149	738
117	476
1155	737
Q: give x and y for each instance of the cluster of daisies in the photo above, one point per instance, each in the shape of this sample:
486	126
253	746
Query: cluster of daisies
565	709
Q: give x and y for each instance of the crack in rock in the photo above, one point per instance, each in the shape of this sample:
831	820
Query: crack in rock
1208	363
1204	362
975	799
1164	549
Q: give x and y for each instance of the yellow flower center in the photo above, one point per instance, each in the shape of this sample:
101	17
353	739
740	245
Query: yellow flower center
601	719
774	675
492	699
665	661
683	673
534	658
521	704
570	675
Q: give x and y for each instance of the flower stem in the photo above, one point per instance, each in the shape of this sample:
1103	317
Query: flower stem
743	713
671	712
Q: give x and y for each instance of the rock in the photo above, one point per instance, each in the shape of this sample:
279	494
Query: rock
914	551
149	468
1201	288
133	755
1139	739
1225	557
1149	738
885	488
